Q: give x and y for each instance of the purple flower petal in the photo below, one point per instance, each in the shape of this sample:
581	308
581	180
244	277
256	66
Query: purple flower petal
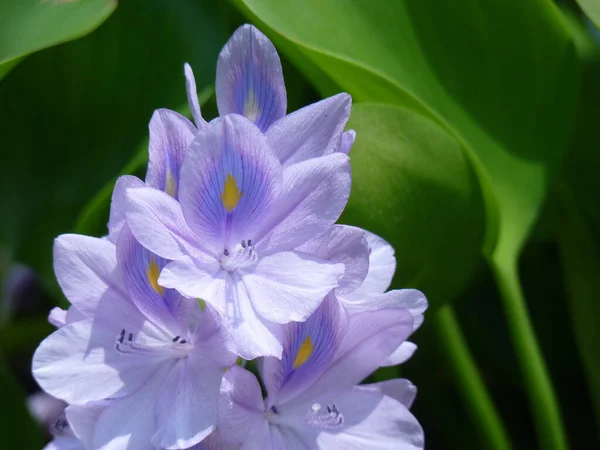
86	268
402	354
156	221
249	78
170	136
141	270
118	206
57	317
186	411
83	419
229	180
399	389
370	338
347	140
310	132
382	265
240	405
346	245
314	195
290	286
308	348
192	96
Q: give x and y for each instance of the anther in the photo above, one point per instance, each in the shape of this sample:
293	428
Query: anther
130	337
122	336
176	338
249	242
243	244
183	341
226	252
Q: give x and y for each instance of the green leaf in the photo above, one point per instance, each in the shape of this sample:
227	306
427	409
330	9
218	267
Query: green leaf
27	26
592	10
73	115
413	185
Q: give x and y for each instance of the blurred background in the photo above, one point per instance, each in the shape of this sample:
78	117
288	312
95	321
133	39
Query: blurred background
477	157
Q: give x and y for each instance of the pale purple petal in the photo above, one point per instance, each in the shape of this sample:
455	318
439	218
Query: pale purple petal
83	419
140	272
290	286
308	348
310	132
411	300
241	405
346	245
347	140
86	268
206	281
213	340
314	195
186	411
66	442
214	442
402	354
192	96
156	220
253	335
44	408
399	389
129	422
57	317
170	136
374	421
370	338
229	181
118	205
249	78
382	265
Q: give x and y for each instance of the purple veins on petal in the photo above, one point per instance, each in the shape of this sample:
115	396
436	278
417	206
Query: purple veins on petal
250	79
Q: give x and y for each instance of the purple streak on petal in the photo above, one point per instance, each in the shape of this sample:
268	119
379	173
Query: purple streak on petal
346	245
297	370
402	354
86	268
228	159
192	96
280	295
310	132
314	195
249	78
170	136
411	300
140	270
241	406
369	339
118	205
346	141
156	220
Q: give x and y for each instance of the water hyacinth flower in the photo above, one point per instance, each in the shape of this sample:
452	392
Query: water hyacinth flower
313	397
234	232
147	350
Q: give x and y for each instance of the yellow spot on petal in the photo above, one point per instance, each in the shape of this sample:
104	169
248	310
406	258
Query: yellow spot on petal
153	272
251	108
231	194
304	352
170	185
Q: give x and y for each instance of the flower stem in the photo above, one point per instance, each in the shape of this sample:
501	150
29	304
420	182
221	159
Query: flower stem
472	388
543	402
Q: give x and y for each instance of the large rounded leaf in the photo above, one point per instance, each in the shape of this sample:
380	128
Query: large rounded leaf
413	185
27	26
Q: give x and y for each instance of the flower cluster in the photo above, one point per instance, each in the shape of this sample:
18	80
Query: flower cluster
229	252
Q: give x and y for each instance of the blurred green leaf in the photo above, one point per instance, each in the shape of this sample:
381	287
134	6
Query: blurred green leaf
592	10
27	26
413	185
73	115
